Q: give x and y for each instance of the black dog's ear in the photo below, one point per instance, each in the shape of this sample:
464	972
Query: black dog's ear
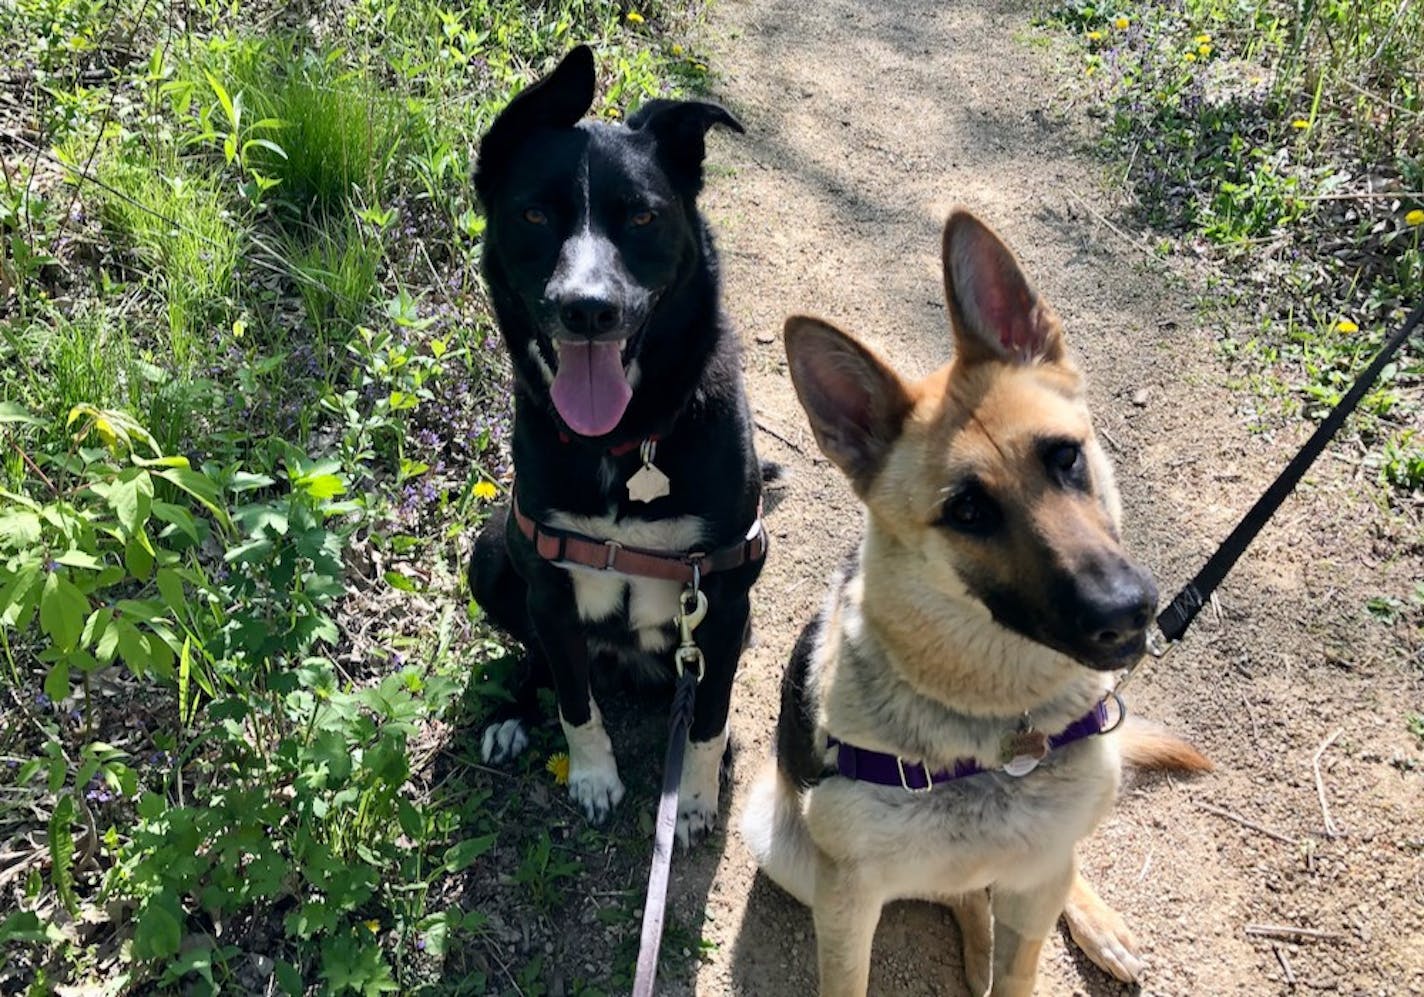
681	127
558	100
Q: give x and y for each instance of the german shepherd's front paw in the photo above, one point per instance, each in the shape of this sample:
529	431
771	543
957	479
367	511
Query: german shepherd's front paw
503	741
701	782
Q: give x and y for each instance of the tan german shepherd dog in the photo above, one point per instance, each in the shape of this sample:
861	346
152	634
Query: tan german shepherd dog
945	732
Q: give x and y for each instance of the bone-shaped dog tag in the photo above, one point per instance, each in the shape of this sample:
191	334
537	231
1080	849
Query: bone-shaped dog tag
648	483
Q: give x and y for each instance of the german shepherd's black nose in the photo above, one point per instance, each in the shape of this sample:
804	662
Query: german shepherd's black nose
590	316
1115	607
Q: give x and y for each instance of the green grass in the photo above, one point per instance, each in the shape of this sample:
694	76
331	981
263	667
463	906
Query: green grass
335	134
248	386
336	269
1287	142
186	240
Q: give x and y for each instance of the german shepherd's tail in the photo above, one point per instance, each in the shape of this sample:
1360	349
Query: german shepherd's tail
776	834
1148	745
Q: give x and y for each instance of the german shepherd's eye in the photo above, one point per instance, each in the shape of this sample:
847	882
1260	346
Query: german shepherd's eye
970	510
535	217
1066	464
640	218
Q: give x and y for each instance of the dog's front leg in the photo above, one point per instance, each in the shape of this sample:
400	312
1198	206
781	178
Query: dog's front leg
721	638
846	910
593	772
1023	917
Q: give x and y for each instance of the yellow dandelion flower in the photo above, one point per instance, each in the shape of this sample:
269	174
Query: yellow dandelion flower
1095	36
373	926
1204	50
700	65
1190	57
635	17
676	49
558	767
1346	326
1202	39
1300	124
1090	70
1122	24
1415	217
486	490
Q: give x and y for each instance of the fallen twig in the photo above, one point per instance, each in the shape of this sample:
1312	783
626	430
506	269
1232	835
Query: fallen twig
1145	250
1285	965
777	436
1330	829
1289	931
1244	822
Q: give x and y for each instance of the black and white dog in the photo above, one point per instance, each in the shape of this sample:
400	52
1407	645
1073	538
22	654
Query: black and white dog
632	439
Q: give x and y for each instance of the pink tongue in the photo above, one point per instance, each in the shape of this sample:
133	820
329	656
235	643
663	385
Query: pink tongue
590	390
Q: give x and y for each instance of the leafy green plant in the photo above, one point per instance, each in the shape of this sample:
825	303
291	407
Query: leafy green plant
247	271
1268	135
543	871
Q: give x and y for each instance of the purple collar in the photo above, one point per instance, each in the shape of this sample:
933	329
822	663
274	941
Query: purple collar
1022	753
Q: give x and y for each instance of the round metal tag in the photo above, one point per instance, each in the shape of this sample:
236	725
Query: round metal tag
1021	765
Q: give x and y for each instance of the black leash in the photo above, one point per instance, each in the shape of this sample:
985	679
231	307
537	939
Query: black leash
688	658
1179	614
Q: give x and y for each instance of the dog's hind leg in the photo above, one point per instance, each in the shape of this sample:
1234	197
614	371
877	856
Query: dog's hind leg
776	834
498	590
1101	932
494	583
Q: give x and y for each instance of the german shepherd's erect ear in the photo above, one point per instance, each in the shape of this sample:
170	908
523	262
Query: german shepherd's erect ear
996	313
856	403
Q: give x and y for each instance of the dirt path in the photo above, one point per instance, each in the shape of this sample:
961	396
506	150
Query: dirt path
865	121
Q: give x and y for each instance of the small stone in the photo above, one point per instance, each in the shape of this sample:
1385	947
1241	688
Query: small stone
1139	397
766	338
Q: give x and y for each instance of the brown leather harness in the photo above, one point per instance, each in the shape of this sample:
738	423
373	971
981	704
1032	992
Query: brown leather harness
568	547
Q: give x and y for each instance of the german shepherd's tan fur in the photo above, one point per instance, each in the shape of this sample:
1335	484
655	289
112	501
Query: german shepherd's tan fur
991	585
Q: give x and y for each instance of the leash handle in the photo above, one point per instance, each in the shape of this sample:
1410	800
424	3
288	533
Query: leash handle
655	906
1179	614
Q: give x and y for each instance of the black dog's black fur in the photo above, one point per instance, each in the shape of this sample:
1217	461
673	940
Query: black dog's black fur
545	178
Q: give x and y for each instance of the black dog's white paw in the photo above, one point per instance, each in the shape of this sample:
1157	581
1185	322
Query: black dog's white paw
593	772
596	789
701	782
503	741
696	819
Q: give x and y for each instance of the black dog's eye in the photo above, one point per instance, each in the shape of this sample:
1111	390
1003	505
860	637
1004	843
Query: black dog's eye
1066	464
641	218
970	510
535	217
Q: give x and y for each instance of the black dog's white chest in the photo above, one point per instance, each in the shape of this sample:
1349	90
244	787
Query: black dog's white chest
638	611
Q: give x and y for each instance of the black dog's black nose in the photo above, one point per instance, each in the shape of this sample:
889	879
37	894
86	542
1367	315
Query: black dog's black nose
1116	611
590	316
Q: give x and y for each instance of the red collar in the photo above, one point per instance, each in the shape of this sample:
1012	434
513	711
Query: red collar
609	555
626	447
